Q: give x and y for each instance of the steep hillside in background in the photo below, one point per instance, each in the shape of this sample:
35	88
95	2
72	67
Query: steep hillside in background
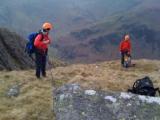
94	27
12	55
101	41
25	16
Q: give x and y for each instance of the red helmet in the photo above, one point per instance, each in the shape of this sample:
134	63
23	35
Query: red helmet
47	25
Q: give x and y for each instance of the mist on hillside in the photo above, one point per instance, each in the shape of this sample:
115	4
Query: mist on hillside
67	15
88	26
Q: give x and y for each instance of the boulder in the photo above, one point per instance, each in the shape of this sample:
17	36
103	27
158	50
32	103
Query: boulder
13	91
71	102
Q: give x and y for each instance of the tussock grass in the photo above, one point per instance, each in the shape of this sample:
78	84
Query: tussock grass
35	101
110	75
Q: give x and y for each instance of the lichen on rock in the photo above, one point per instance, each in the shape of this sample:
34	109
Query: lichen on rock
100	105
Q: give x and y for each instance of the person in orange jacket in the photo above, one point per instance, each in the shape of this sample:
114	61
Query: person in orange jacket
125	48
41	43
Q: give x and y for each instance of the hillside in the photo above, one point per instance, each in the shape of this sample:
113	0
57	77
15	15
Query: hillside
109	75
100	41
66	15
89	31
35	97
12	55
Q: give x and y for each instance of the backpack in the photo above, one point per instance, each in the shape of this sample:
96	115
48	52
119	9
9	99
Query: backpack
30	48
144	86
127	61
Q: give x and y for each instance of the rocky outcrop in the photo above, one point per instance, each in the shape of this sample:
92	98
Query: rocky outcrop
12	55
71	102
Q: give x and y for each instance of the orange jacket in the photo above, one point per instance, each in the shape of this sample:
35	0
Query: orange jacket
39	43
125	45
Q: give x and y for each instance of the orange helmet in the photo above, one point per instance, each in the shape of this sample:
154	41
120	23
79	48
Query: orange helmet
47	25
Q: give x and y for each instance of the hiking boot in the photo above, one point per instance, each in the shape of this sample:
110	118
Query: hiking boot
44	75
38	76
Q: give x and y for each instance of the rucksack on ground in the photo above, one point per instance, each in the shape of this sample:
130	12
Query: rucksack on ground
30	48
144	86
127	61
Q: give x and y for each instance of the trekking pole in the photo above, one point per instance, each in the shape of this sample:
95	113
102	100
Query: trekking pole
52	78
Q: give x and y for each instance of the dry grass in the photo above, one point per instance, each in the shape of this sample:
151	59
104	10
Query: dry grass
110	75
35	99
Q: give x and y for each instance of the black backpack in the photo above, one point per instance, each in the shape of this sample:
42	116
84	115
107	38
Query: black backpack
144	86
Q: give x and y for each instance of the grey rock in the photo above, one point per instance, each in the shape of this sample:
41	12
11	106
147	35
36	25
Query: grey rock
13	91
80	104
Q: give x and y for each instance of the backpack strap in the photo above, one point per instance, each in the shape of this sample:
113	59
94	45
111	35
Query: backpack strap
40	33
135	85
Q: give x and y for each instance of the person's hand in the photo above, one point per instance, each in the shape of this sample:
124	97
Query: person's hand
46	41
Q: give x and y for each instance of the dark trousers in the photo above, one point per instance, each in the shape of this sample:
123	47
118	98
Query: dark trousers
122	56
41	59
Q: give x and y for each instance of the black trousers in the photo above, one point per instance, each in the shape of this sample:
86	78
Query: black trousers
40	61
122	56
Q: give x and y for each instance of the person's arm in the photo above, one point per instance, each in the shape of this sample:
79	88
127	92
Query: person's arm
38	41
120	47
47	41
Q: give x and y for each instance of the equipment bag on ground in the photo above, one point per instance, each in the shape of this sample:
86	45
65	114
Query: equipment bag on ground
144	86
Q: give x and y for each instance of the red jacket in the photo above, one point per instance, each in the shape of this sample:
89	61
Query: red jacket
125	45
39	43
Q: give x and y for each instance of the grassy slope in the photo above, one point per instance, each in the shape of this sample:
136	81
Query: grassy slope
110	75
35	101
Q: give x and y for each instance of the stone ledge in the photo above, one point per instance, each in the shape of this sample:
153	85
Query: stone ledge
71	102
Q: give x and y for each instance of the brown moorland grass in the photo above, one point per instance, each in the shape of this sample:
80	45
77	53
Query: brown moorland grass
35	99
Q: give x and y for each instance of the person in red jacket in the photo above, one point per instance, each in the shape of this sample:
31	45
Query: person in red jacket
41	44
125	48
